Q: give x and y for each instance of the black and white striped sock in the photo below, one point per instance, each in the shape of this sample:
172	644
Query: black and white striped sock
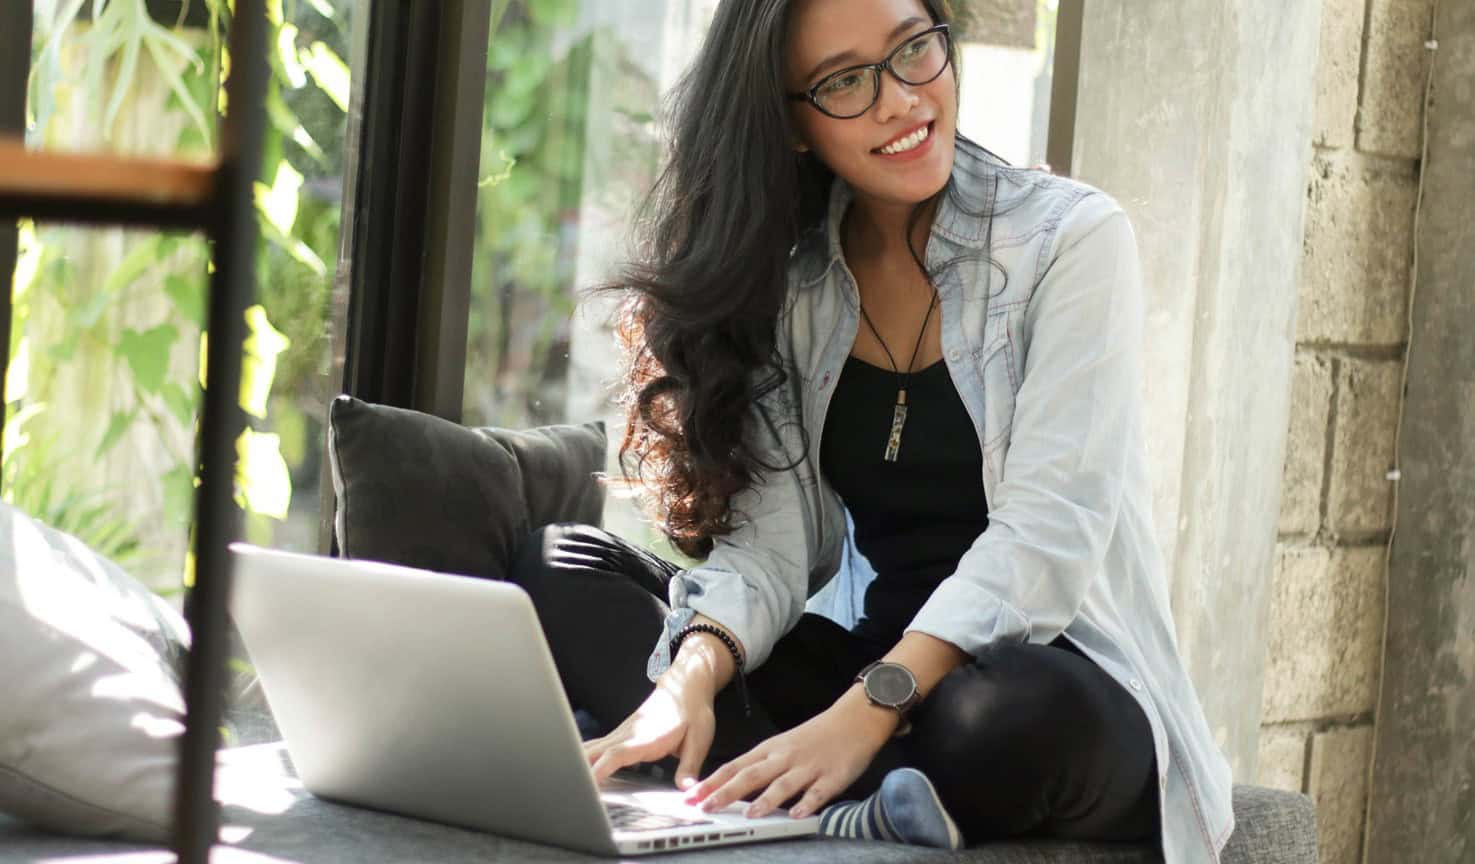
858	820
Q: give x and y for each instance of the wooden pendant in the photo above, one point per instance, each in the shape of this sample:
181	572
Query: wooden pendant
898	422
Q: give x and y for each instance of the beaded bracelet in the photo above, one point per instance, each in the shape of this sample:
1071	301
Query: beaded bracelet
732	647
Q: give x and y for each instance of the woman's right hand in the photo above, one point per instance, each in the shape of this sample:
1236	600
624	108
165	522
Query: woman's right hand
676	719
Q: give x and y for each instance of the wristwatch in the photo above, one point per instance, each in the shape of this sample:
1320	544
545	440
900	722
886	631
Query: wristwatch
890	685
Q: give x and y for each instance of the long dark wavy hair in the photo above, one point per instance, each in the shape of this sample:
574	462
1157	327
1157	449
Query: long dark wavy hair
704	293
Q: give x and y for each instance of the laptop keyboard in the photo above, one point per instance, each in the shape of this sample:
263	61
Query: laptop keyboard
625	817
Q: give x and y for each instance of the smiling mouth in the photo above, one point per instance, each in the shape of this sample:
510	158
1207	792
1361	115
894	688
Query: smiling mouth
907	142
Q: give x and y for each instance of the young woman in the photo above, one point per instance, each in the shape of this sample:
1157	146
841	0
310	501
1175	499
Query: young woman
843	305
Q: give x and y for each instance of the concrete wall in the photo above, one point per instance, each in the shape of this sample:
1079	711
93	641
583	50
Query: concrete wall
1327	613
1009	23
1197	115
1422	797
1252	127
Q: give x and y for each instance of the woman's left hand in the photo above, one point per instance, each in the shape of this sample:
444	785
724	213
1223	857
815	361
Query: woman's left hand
819	758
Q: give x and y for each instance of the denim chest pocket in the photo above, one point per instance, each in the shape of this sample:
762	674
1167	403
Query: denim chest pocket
995	334
1000	366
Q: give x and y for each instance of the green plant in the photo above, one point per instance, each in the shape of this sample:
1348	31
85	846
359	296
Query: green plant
135	303
533	171
94	517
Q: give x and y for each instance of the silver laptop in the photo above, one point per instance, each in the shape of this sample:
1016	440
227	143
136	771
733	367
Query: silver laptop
435	696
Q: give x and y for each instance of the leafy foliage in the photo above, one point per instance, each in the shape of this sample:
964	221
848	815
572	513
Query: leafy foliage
97	66
533	152
99	520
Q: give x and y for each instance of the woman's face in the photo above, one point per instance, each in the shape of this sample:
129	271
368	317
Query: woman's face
826	36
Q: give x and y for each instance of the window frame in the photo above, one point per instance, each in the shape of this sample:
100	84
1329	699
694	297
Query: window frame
16	20
411	166
411	202
1065	86
402	287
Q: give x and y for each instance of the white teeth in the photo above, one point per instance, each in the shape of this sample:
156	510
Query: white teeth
910	142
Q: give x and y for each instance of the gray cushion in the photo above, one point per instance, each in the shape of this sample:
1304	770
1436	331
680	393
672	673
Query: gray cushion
286	824
91	675
90	701
424	492
1271	825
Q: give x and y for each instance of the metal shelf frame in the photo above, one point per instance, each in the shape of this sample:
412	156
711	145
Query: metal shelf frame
218	201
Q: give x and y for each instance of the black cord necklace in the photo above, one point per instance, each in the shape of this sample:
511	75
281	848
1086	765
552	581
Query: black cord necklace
899	416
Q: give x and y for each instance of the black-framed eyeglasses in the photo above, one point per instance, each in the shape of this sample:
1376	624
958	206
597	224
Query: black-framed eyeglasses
851	92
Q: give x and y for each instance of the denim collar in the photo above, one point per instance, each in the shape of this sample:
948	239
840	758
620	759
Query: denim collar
975	178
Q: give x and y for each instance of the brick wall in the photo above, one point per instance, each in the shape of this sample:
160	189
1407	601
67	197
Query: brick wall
1326	631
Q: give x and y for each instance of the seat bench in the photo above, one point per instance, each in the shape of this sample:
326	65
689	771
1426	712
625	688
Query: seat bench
270	818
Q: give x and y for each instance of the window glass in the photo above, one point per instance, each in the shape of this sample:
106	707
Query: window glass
570	145
568	142
1006	57
102	388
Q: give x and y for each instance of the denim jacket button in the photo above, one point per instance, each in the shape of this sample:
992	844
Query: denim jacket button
955	355
1136	685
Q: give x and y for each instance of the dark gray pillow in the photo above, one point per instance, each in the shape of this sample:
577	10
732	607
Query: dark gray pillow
421	491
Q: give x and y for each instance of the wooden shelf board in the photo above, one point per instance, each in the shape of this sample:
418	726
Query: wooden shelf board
40	175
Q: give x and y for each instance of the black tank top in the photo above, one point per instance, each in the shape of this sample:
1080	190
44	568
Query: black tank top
916	516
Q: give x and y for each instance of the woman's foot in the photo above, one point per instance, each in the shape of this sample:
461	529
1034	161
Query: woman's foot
905	809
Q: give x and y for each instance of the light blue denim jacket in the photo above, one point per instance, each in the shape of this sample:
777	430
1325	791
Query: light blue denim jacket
1042	333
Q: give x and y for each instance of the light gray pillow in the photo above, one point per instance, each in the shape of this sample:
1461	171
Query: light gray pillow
90	700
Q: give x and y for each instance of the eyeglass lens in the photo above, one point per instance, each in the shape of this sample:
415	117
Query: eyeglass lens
852	92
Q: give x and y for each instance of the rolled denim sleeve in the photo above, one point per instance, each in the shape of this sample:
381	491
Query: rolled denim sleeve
1077	412
756	580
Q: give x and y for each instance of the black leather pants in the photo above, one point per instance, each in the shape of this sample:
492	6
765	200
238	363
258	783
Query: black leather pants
1026	741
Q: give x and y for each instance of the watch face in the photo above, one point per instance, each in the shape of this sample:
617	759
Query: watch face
890	684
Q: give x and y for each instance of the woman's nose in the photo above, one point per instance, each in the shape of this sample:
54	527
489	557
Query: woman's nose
897	98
